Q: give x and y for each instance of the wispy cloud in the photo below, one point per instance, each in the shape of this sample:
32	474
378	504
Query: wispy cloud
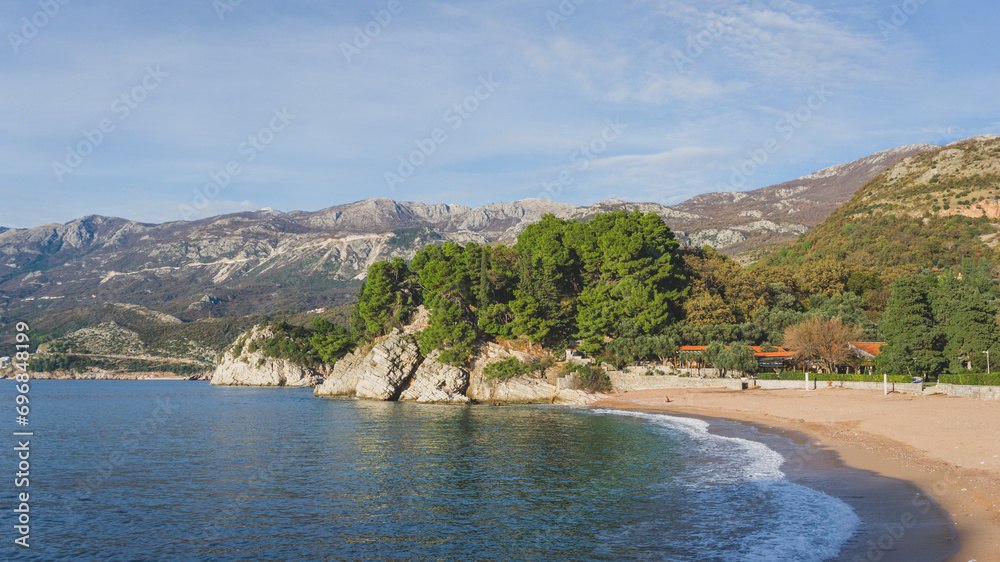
756	60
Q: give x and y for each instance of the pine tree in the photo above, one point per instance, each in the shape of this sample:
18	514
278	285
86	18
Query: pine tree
448	293
738	357
967	319
640	278
387	297
915	343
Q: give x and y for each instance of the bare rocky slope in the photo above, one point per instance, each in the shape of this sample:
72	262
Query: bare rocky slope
246	263
777	214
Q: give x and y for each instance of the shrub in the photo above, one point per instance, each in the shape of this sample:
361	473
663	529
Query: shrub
507	369
73	363
592	379
974	379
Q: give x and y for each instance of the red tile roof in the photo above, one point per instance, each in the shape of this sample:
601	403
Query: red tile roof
871	348
779	351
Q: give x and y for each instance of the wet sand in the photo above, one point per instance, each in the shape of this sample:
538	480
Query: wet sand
935	458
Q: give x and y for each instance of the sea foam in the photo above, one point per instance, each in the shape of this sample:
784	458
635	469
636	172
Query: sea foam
732	479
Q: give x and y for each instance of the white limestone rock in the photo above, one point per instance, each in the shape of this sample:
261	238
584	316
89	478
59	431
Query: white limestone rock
377	374
242	367
437	383
517	390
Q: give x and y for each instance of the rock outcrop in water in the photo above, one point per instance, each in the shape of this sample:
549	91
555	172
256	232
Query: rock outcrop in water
242	367
394	370
378	373
436	382
517	390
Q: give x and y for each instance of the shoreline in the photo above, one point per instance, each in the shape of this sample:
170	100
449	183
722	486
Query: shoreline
930	446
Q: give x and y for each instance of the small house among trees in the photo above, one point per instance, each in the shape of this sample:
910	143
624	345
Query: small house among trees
767	358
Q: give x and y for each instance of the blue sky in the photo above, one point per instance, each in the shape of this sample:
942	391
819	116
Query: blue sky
216	106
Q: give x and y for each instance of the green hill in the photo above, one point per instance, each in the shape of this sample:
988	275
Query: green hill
927	213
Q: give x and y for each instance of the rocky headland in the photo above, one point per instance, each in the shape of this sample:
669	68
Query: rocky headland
244	364
393	369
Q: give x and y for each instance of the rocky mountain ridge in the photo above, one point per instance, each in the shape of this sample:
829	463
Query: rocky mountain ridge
245	263
777	214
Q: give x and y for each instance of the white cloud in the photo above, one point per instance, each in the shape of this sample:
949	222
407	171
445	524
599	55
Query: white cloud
609	60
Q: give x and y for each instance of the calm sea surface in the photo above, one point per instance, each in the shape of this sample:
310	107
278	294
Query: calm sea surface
129	470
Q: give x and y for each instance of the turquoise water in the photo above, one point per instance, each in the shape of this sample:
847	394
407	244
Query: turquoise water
135	470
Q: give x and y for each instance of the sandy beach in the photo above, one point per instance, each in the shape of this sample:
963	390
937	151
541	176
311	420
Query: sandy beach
947	447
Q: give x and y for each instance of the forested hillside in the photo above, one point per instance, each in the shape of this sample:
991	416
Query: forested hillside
929	212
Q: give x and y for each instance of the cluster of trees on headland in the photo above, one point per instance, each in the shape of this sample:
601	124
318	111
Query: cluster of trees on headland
622	289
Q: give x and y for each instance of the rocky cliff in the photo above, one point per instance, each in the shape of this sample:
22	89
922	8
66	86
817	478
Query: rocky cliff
244	365
393	369
517	390
378	373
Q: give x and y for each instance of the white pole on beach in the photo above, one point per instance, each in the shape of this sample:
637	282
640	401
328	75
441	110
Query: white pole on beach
807	381
885	389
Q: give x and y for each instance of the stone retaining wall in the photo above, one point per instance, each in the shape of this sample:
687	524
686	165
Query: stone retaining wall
627	382
970	391
630	381
909	388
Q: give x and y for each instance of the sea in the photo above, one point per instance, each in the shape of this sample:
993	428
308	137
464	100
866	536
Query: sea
166	470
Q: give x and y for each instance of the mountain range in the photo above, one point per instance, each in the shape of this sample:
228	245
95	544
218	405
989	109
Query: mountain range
246	263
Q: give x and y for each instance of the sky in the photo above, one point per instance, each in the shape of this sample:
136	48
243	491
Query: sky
162	111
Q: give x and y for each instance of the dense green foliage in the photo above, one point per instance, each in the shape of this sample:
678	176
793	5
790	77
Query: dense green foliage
622	290
385	300
835	377
288	342
976	379
615	278
324	343
936	324
73	363
331	341
506	369
913	337
735	357
632	345
895	245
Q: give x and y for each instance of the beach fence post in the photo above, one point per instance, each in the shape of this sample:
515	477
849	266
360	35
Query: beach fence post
807	381
885	384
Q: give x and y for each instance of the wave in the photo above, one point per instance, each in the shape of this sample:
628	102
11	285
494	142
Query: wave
737	503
